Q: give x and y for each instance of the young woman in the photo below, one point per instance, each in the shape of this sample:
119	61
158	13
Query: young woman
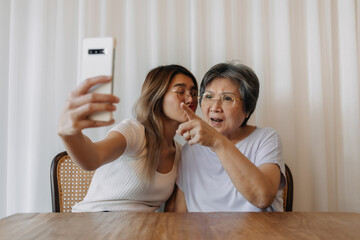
227	164
136	163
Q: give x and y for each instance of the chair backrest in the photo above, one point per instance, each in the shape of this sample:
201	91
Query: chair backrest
69	183
288	191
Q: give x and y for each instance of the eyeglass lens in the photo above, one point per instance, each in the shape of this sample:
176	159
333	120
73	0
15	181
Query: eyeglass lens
184	93
223	99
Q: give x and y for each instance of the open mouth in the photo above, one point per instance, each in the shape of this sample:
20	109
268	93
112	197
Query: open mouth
216	120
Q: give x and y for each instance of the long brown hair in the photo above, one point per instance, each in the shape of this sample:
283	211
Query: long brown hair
148	111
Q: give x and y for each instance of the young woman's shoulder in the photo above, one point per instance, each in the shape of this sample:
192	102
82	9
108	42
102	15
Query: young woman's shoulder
134	133
131	124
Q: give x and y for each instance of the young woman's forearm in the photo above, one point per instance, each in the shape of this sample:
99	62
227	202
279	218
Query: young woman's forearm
82	150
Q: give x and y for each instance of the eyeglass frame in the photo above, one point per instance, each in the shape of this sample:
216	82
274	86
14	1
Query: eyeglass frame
186	94
213	99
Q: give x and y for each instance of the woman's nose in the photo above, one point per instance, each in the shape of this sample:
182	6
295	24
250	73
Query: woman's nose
190	98
216	106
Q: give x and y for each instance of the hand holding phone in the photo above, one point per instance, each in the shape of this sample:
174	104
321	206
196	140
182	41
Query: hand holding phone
98	56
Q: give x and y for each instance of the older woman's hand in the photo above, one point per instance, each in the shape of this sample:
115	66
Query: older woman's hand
195	130
81	103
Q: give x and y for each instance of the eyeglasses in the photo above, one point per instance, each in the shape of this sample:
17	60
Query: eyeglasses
183	93
225	100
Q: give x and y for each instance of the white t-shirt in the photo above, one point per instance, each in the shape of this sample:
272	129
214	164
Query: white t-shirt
117	186
208	187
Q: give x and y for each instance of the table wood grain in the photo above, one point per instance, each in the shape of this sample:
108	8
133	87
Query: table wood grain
129	225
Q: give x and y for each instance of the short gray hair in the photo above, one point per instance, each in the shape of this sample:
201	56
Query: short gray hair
243	76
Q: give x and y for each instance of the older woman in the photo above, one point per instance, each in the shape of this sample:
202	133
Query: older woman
228	165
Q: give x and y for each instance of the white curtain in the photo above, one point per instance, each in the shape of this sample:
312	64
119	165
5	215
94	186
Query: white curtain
306	54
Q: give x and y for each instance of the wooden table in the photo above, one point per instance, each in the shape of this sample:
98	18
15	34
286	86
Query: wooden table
126	225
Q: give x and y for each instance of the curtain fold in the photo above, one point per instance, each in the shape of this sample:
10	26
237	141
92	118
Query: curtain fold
4	85
305	53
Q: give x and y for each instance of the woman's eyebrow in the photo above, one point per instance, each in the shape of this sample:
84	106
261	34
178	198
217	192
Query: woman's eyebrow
228	93
222	92
183	85
179	85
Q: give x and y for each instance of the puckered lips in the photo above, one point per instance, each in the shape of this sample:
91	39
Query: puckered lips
192	107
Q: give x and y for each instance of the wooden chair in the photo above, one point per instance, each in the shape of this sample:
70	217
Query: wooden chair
288	191
69	183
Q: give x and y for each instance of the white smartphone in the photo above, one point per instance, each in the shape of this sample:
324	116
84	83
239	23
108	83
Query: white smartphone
98	57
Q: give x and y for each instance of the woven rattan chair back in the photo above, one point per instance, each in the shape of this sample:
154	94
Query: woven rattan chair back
288	191
69	183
